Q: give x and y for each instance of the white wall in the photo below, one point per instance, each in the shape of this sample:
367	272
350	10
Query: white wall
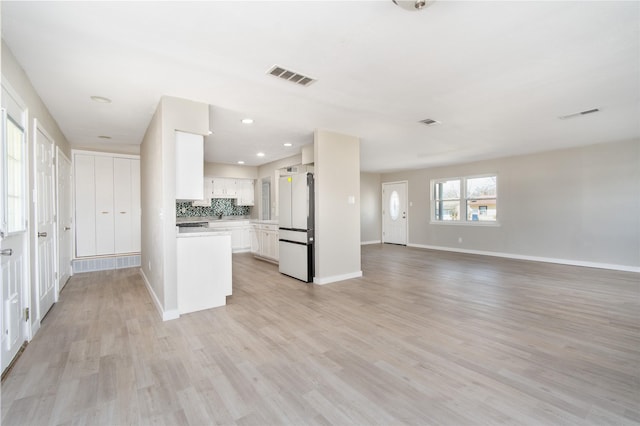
580	205
152	249
17	79
158	186
230	171
337	222
370	207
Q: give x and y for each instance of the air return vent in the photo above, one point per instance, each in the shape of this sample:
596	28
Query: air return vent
429	122
578	114
291	76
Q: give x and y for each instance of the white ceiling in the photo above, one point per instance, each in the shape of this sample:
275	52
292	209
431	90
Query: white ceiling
495	74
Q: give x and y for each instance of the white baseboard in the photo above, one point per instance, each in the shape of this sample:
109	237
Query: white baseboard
598	265
364	243
165	315
335	278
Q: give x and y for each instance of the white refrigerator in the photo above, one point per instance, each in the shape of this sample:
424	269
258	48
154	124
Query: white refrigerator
296	223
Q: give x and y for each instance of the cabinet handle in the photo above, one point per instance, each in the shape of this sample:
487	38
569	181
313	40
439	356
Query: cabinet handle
42	234
67	228
6	252
123	212
104	212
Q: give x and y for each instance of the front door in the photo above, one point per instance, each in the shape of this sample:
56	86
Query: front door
65	218
13	228
394	213
45	220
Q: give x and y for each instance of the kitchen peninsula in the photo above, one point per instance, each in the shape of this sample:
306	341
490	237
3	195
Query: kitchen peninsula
204	268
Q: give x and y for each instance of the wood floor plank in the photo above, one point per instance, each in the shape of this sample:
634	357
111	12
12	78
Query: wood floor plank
424	337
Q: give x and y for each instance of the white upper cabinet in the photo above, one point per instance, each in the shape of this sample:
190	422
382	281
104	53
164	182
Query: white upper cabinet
245	192
208	194
224	188
189	166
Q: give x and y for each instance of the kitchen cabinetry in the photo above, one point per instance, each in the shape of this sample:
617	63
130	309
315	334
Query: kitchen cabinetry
208	193
224	188
240	231
189	166
107	201
245	192
204	271
240	189
264	241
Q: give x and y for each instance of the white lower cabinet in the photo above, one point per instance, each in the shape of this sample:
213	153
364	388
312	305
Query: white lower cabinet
264	241
240	233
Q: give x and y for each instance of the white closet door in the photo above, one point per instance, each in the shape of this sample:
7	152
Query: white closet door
136	211
104	205
85	198
122	205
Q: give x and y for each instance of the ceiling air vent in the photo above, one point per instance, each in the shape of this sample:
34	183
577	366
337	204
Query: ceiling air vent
578	114
429	122
291	76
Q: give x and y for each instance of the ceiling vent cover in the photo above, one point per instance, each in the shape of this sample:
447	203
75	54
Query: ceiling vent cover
291	76
429	122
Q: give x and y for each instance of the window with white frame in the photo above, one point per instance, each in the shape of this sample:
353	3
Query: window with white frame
470	199
14	166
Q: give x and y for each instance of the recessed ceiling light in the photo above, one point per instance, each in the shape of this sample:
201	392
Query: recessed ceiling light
247	121
104	137
101	99
260	154
288	144
240	162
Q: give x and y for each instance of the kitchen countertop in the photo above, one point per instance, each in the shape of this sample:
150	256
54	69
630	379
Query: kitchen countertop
200	232
265	222
193	219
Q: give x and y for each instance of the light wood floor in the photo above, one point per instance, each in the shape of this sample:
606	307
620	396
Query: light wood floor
424	337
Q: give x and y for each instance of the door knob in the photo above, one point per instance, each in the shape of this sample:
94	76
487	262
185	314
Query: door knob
6	252
42	234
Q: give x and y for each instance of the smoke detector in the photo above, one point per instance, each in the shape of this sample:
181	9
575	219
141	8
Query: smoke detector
413	5
429	122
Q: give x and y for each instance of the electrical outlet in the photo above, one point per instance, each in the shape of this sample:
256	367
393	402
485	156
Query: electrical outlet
149	265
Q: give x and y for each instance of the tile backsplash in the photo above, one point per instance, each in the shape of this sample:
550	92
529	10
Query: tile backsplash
219	206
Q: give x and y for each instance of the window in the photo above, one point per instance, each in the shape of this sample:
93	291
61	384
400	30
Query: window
465	200
15	177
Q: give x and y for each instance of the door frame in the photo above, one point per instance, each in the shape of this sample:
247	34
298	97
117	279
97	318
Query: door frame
383	207
61	156
37	127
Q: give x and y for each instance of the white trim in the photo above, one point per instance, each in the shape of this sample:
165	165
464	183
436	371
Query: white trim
104	154
364	243
335	278
570	262
475	223
165	315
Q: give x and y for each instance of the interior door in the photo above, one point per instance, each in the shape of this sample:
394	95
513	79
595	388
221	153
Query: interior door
394	213
13	230
123	238
45	220
65	218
